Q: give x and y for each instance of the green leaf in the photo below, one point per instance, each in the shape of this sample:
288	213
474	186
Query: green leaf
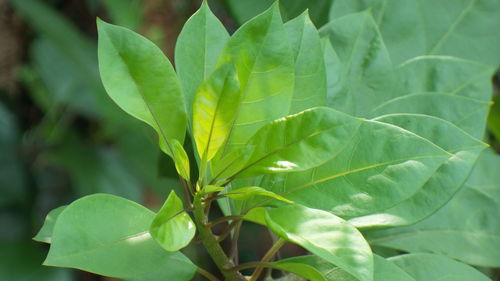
414	28
334	77
377	167
300	269
468	220
197	49
172	227
108	235
325	235
366	68
428	267
141	80
446	74
466	113
181	159
214	110
211	189
310	72
261	53
298	142
45	233
251	191
383	269
443	184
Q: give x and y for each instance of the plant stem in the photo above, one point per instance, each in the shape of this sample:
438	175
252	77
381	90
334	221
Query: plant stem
233	254
212	246
249	265
267	257
207	274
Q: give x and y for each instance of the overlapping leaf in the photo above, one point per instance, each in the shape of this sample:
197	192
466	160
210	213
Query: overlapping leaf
310	72
197	50
141	80
414	28
108	235
262	56
468	220
443	184
325	235
428	267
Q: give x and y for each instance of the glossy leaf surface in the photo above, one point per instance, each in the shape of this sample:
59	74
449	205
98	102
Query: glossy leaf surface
141	80
445	181
108	235
325	235
467	220
310	72
197	49
214	110
298	142
172	227
378	167
428	267
262	55
251	191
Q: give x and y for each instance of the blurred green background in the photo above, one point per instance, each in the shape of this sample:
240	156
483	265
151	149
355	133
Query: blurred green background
61	137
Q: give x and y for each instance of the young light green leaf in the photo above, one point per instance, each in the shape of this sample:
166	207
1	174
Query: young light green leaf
172	227
197	49
326	236
181	159
214	110
458	223
211	189
108	235
428	267
261	54
251	191
298	142
310	72
141	80
376	168
443	184
45	233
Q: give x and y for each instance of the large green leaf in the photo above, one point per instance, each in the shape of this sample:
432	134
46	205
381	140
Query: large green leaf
468	220
141	80
446	74
298	142
261	52
466	113
108	235
214	110
378	167
172	227
197	49
443	184
45	233
383	269
414	28
366	69
325	235
310	72
428	267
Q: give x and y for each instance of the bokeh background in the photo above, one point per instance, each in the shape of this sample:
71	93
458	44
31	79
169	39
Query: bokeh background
61	137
